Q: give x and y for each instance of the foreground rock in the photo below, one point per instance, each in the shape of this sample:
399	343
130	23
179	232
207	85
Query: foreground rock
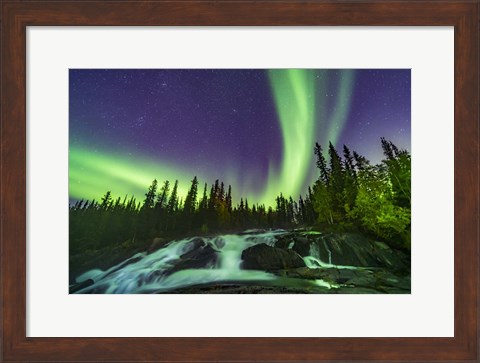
266	258
200	256
245	289
375	279
346	249
287	262
258	289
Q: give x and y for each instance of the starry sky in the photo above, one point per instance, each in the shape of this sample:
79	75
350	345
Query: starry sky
252	128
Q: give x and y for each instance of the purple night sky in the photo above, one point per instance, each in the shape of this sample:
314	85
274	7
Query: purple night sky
225	124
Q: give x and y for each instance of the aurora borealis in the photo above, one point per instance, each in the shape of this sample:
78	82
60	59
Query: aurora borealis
253	129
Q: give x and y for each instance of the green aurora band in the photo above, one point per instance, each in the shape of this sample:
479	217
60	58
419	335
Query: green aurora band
299	99
302	113
342	108
91	174
294	94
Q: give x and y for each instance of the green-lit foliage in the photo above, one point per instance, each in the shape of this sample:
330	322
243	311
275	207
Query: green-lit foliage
376	199
349	193
377	210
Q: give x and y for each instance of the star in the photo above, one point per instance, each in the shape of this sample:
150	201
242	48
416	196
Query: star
167	116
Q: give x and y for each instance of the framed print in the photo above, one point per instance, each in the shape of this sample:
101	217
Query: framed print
298	179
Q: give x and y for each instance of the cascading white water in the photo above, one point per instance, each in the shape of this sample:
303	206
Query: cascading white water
315	261
151	273
314	250
328	250
230	256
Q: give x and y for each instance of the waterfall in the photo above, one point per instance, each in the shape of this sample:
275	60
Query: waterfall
314	260
230	254
156	272
314	250
328	250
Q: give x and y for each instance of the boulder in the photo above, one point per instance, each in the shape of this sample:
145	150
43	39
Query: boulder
195	244
284	241
200	257
302	245
393	260
264	257
350	249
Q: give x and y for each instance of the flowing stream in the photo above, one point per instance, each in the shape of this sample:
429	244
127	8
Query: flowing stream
157	272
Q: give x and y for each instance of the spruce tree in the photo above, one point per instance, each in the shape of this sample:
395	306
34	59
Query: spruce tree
191	198
163	195
150	195
173	201
229	199
321	164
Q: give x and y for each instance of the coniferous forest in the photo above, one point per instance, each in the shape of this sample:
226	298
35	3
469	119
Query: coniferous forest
364	206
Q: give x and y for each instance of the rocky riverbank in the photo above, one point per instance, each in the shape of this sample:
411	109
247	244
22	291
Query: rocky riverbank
257	262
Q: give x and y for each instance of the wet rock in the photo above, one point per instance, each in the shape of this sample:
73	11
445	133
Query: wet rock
348	249
284	241
264	257
194	245
345	275
201	257
219	243
302	245
394	260
388	279
381	280
330	275
362	281
375	279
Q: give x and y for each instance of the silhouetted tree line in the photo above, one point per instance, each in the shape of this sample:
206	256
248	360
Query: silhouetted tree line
349	193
